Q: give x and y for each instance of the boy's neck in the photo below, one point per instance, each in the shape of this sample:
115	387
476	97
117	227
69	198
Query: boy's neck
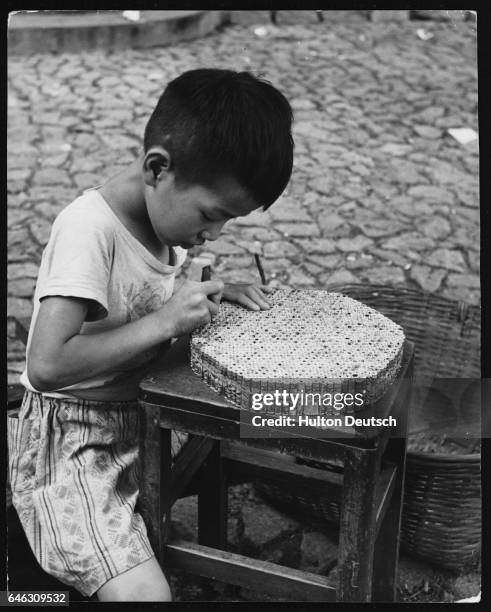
124	192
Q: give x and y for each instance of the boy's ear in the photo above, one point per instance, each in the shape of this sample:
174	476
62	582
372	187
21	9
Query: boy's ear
156	161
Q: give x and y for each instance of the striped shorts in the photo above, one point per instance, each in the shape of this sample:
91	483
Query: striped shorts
74	471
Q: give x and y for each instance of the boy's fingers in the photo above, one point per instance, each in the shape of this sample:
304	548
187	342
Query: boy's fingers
212	286
213	308
248	302
258	297
266	288
215	298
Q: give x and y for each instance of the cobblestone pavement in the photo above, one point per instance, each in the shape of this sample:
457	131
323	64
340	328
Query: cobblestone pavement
380	192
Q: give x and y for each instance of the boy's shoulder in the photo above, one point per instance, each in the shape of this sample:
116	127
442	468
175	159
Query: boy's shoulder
86	211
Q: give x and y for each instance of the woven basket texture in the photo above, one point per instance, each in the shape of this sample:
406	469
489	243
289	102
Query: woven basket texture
441	517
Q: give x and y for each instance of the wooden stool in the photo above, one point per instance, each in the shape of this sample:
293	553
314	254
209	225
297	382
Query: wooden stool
369	489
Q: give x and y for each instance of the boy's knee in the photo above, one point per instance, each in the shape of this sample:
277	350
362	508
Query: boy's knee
135	592
145	582
124	590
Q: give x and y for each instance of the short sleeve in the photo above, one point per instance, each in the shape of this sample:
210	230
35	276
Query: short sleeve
77	260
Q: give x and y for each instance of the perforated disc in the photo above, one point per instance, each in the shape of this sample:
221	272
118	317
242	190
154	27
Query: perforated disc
310	340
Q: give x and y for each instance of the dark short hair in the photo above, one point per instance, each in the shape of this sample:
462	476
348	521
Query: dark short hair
218	123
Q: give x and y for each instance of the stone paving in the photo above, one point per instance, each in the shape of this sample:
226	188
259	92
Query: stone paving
380	192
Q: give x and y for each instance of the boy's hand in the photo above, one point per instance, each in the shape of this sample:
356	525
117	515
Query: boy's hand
192	305
247	294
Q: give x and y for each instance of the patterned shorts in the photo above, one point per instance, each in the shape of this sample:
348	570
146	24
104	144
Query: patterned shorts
74	471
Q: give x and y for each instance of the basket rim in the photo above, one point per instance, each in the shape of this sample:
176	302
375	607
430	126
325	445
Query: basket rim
444	457
400	289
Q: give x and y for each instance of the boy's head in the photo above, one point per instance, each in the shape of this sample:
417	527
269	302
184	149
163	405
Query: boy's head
219	125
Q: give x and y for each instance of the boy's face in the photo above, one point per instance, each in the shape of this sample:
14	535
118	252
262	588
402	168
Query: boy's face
189	215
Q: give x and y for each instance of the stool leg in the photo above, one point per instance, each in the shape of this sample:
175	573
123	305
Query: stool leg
357	526
386	556
155	462
165	491
212	501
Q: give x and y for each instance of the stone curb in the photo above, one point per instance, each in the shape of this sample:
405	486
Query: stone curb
425	15
53	33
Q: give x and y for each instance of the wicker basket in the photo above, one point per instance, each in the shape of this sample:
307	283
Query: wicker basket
441	518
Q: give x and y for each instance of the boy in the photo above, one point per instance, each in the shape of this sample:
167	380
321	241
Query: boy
217	146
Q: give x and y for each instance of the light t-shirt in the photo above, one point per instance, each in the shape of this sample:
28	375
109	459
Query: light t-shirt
91	254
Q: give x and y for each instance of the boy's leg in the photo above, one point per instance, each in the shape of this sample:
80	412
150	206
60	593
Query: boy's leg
145	582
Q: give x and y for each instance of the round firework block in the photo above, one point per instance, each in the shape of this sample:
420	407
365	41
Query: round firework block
311	341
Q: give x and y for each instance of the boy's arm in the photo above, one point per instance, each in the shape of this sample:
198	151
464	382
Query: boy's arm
60	356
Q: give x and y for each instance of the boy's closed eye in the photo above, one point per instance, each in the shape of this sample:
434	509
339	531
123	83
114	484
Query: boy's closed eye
217	216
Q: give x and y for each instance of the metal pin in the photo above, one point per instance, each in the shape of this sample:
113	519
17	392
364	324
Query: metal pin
260	269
